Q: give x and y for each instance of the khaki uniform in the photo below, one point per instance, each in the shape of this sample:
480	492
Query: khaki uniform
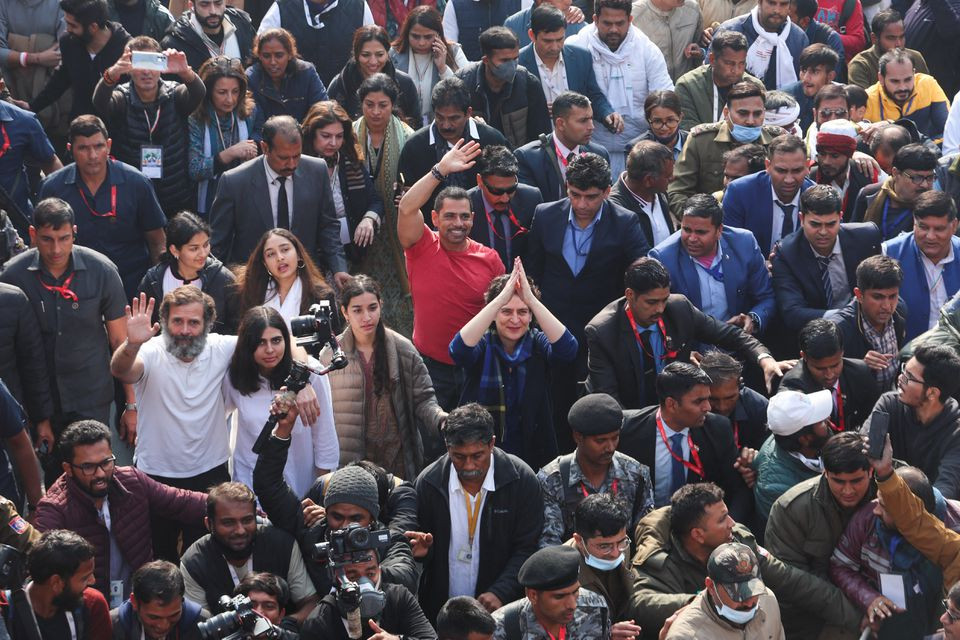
16	532
700	620
699	168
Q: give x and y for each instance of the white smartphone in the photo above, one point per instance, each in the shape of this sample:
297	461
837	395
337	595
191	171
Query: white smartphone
149	60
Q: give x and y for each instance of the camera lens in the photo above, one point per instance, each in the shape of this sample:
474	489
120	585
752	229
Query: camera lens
302	326
359	538
219	626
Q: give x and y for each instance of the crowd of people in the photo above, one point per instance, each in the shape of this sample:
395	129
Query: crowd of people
589	319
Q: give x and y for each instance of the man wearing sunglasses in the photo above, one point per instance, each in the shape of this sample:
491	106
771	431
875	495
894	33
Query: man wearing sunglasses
508	205
888	204
111	506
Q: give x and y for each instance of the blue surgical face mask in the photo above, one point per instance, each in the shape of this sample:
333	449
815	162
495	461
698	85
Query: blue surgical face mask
743	133
504	71
735	615
600	564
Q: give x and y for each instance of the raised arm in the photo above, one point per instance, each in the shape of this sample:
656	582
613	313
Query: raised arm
472	332
409	218
125	365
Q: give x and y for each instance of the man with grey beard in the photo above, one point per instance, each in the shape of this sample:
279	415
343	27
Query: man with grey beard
183	436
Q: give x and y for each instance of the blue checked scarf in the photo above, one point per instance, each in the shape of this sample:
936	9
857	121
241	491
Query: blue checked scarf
492	394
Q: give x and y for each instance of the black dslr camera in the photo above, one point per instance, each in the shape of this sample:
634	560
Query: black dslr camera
238	621
315	329
12	567
350	545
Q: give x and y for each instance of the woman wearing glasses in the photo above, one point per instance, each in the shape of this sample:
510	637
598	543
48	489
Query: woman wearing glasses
663	113
224	129
507	364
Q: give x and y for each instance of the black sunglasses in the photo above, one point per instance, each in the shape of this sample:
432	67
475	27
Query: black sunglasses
500	192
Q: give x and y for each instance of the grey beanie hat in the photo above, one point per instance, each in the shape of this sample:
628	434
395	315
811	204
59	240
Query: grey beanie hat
353	485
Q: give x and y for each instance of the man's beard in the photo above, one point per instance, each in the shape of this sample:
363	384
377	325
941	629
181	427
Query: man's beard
230	553
67	600
85	38
96	494
185	348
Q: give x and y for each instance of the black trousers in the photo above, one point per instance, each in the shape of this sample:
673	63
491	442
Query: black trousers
171	537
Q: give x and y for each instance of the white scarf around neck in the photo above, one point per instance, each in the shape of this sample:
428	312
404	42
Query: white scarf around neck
758	55
617	75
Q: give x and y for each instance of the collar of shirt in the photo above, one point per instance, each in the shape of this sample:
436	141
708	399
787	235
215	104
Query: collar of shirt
271	174
76	263
488	485
486	203
877	337
563	149
795	202
471	127
928	263
114	174
307	8
670	431
717	257
573	221
643	203
543	68
615	470
833	252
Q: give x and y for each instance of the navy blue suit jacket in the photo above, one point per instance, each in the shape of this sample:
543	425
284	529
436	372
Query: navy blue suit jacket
796	274
540	168
580	76
575	299
748	204
524	201
745	277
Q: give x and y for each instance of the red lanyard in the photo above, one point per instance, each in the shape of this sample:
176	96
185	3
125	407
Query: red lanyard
513	220
560	156
6	140
113	203
63	290
560	636
839	398
668	353
697	468
613	487
156	121
736	433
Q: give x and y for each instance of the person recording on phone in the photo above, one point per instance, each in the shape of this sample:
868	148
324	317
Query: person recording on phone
923	416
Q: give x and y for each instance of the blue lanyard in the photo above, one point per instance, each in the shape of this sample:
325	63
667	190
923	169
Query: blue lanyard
903	112
896	223
716	271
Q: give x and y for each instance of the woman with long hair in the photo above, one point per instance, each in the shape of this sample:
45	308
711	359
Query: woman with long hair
328	134
371	55
422	51
225	128
281	274
282	83
383	401
260	364
187	260
382	135
507	363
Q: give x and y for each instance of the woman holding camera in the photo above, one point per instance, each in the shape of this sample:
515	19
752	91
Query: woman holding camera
282	275
383	401
508	363
187	260
260	364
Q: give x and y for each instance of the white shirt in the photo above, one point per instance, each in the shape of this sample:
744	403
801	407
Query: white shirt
463	575
451	29
290	307
935	285
653	210
171	282
553	81
664	463
314	447
951	130
273	186
778	214
271	19
182	428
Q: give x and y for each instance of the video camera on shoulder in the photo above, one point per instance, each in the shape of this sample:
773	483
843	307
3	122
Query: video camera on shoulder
238	622
351	545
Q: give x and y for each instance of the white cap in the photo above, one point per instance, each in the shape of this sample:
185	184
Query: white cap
790	411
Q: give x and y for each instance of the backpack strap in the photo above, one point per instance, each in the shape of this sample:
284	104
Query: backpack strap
511	620
571	499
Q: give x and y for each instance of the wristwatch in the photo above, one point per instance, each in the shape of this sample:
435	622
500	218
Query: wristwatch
130	406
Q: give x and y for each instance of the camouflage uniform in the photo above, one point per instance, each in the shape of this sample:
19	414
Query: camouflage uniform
591	621
14	530
633	487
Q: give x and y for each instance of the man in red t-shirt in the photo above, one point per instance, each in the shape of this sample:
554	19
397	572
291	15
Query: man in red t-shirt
448	272
62	602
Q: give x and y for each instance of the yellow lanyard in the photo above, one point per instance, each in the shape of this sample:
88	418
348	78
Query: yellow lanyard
473	513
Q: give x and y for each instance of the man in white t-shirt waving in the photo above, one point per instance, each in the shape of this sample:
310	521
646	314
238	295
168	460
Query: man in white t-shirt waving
183	438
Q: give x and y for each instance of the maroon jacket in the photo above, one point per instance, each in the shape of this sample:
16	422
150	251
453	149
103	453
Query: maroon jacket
133	497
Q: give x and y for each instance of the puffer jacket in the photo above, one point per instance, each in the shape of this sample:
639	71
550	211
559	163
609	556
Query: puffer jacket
133	497
860	556
218	283
700	620
182	36
418	415
777	471
667	577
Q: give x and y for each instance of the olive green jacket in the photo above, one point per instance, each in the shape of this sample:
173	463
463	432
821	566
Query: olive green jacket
695	90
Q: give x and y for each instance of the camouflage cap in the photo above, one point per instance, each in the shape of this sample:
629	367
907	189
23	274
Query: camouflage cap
734	567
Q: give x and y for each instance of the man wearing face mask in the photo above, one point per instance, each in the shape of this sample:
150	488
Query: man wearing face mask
237	546
699	168
734	603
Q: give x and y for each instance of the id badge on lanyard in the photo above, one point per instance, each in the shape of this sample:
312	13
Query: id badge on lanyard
151	155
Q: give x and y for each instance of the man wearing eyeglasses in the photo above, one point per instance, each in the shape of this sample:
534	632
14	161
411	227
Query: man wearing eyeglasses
888	204
508	205
923	416
111	506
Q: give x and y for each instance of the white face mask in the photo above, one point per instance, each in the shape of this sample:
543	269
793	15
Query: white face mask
600	564
735	615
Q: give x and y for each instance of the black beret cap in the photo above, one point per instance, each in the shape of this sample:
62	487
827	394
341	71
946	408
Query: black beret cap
550	568
596	414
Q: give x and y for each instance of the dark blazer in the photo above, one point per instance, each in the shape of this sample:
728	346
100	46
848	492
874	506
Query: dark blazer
615	363
898	223
580	76
855	344
619	194
523	202
540	168
509	530
857	182
714	441
747	204
858	389
617	241
242	213
796	274
746	281
749	419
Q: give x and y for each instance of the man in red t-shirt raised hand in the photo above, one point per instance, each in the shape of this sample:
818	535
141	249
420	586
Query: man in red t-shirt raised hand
448	272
